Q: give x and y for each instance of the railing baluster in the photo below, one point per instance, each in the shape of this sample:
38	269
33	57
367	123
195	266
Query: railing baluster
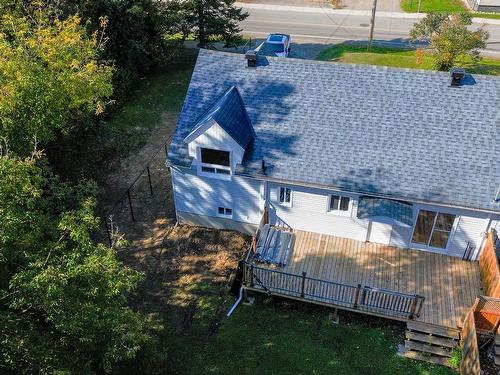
252	284
303	284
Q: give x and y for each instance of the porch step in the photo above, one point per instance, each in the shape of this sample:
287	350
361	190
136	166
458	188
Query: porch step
433	330
430	343
436	359
435	340
427	348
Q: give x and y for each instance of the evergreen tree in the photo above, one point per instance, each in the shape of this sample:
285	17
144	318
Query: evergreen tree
211	19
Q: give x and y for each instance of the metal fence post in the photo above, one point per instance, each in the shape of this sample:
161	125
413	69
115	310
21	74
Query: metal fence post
356	296
108	232
149	179
130	205
303	285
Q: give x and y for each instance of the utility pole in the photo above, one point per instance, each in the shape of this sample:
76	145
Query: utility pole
372	25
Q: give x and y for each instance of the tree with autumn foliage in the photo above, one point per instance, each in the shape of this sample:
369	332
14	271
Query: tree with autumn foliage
449	38
63	298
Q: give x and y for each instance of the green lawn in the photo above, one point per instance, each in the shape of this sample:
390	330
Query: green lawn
450	6
495	16
292	338
357	54
426	6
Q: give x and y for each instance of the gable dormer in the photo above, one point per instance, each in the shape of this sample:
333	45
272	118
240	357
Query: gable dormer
221	136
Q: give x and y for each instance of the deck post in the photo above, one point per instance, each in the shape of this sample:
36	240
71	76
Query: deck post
254	244
413	306
252	284
356	296
303	284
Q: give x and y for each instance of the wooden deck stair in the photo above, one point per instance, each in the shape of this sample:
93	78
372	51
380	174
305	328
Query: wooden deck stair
430	343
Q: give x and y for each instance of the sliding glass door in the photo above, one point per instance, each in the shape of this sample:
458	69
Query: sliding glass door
433	229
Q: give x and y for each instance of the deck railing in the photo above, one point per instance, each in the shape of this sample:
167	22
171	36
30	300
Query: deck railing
357	297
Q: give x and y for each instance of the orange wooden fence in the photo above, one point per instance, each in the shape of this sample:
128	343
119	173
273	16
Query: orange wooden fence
469	365
488	267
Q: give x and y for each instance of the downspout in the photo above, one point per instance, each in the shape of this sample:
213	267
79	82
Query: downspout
236	303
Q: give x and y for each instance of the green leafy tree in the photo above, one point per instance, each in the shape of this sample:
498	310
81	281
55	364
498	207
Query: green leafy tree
49	74
213	19
450	38
62	298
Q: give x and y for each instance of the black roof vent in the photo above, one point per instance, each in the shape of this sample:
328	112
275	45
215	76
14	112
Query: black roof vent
251	56
263	166
456	76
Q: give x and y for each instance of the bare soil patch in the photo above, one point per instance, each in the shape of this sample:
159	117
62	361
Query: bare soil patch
186	269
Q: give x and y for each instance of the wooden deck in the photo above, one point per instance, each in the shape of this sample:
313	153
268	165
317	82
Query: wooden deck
448	284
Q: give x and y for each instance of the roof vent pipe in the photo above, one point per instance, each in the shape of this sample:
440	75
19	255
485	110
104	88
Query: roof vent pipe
456	76
263	166
497	196
251	56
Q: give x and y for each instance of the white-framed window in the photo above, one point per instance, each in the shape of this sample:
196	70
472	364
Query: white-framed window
285	196
217	162
433	229
224	212
339	204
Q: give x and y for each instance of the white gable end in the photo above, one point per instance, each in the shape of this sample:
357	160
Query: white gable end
216	138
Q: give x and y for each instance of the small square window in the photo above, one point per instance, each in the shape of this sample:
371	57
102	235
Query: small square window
225	212
285	195
339	203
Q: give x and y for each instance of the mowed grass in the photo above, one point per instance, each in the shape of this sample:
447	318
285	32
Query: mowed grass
291	338
427	6
357	54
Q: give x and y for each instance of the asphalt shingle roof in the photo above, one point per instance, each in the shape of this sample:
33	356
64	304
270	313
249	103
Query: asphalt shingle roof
230	113
395	132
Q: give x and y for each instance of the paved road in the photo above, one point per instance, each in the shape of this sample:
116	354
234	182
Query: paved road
316	27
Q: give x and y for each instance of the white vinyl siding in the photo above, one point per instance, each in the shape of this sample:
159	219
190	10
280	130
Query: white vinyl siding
203	196
469	229
216	138
309	211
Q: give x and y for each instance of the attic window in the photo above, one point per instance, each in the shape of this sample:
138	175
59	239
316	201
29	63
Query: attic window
216	157
216	162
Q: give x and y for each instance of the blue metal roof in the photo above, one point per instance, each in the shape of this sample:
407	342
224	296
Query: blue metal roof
230	113
399	133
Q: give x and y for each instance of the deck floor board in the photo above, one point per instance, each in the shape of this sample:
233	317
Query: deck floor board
448	284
